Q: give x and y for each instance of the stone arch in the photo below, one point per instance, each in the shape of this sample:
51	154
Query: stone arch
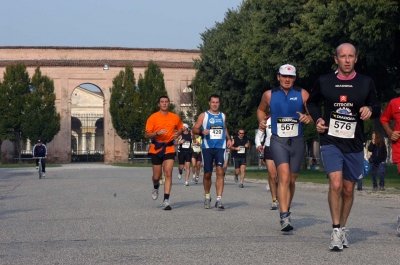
87	108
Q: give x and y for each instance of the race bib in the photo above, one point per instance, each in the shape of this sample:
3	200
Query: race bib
342	125
287	127
216	132
196	149
186	145
241	150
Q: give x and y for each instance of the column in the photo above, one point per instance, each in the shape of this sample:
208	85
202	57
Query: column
93	141
83	143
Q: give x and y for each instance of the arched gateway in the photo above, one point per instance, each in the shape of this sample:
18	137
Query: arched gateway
70	67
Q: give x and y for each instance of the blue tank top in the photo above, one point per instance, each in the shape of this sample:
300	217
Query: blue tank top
217	136
284	119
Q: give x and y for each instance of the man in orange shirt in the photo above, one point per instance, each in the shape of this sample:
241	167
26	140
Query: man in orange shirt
163	127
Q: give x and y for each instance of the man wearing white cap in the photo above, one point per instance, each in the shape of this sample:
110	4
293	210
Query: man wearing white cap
287	104
185	153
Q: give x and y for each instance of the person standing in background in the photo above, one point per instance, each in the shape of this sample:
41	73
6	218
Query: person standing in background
377	147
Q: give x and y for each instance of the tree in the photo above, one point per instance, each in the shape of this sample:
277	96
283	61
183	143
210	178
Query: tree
126	108
240	56
41	120
15	92
151	87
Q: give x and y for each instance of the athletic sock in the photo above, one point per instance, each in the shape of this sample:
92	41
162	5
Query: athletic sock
180	171
166	196
208	196
156	186
336	226
274	199
343	228
219	198
285	214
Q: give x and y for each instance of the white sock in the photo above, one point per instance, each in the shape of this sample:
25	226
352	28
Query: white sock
219	198
343	228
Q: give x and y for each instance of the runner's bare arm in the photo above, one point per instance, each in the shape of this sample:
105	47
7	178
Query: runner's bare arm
197	126
262	108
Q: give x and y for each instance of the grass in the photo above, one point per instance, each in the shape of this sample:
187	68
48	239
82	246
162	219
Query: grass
16	165
392	179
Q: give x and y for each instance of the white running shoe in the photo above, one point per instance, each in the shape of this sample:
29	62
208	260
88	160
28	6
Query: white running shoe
154	194
186	183
336	240
267	186
37	168
179	176
166	205
345	234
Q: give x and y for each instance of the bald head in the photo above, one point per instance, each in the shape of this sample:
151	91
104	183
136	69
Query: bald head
345	59
345	46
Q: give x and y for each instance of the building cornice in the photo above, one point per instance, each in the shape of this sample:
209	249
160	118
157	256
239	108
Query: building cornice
96	63
99	48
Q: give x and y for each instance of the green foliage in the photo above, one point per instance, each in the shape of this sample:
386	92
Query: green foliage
151	87
41	120
126	108
15	92
240	57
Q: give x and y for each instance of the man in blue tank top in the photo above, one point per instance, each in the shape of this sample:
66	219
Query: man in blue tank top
211	125
287	104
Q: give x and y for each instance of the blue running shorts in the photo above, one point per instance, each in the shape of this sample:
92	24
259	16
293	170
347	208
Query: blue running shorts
351	164
211	154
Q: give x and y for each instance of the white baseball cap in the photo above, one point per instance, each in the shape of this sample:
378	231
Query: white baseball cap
287	69
185	125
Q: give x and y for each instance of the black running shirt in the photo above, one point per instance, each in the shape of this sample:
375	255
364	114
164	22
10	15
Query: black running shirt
341	101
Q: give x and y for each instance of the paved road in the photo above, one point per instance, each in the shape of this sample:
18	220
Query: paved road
99	214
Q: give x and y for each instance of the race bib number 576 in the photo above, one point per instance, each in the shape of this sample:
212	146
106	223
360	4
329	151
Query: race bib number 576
342	125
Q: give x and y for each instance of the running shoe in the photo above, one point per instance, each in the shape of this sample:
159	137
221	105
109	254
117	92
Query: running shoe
241	185
345	234
207	203
267	186
154	194
398	225
37	168
336	240
193	178
197	179
43	175
219	205
166	205
286	224
274	205
179	176
186	183
236	179
382	188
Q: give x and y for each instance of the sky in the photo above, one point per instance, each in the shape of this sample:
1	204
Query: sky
173	24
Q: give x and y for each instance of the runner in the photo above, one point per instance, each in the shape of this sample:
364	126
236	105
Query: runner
288	113
185	153
196	157
391	113
272	175
226	161
211	124
348	98
163	127
239	146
